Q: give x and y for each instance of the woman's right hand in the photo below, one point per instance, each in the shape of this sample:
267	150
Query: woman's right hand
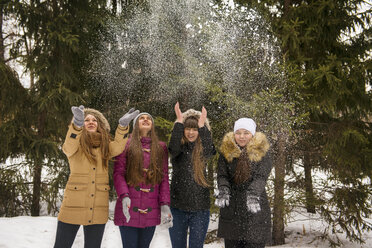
222	197
178	112
78	113
126	206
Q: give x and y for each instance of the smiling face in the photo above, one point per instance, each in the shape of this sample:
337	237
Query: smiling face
90	123
144	124
191	134
242	137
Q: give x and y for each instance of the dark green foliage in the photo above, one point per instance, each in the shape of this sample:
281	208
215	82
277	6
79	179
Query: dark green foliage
54	50
330	41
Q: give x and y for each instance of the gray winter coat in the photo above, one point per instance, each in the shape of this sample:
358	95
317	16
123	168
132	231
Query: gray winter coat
236	222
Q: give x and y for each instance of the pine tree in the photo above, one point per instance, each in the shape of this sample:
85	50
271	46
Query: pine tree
54	47
317	36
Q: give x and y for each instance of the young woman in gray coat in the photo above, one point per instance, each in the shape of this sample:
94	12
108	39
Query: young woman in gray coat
243	168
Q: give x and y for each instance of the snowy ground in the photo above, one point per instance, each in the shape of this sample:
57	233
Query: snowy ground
26	231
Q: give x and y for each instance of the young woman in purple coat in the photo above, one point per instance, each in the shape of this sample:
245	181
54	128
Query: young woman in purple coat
142	186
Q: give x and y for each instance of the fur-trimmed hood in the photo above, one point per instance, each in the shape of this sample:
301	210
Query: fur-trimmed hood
256	148
102	121
197	114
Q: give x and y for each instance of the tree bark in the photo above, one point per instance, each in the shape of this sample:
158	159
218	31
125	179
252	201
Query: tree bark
38	165
278	212
2	49
36	192
310	201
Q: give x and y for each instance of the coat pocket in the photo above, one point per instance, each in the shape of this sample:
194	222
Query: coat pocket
75	195
102	195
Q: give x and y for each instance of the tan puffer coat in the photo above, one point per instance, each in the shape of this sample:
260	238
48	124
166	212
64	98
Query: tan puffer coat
86	196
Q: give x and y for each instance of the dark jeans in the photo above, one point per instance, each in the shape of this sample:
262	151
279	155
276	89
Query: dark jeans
197	221
66	234
133	237
229	243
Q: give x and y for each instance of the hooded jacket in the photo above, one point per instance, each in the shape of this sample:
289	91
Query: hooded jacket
146	199
236	222
186	193
86	196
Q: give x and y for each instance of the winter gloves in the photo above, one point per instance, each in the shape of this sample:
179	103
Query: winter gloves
78	119
166	216
223	200
78	113
126	206
125	119
223	197
253	204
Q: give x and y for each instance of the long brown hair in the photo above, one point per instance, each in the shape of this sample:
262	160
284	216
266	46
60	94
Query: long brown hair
134	174
243	168
197	153
90	141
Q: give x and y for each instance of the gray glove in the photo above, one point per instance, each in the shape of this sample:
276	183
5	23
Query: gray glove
166	216
253	204
125	119
78	113
222	197
126	206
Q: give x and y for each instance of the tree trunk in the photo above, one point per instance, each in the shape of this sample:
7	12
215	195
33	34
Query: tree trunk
2	49
310	201
38	165
278	214
36	192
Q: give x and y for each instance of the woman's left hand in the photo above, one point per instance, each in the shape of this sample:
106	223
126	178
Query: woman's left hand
130	115
166	216
203	117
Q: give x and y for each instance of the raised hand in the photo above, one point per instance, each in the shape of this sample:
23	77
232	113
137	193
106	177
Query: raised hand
126	206
78	113
178	112
203	117
130	115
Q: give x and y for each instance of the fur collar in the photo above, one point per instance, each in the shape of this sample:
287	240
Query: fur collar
256	148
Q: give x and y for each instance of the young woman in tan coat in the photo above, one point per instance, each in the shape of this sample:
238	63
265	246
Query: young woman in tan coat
89	147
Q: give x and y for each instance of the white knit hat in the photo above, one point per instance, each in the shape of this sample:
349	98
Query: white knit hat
245	123
143	113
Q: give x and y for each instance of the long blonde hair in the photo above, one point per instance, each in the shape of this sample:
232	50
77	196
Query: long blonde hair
197	157
134	153
90	141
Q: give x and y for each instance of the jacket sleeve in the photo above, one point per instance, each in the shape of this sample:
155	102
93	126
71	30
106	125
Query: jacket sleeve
164	195
118	144
120	166
174	146
207	142
259	178
223	177
72	141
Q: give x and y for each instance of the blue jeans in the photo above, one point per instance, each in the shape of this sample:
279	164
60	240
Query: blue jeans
134	237
197	221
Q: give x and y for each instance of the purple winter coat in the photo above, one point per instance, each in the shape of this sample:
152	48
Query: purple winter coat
144	196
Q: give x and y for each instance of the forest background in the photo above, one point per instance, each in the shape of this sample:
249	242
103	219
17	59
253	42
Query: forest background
301	69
